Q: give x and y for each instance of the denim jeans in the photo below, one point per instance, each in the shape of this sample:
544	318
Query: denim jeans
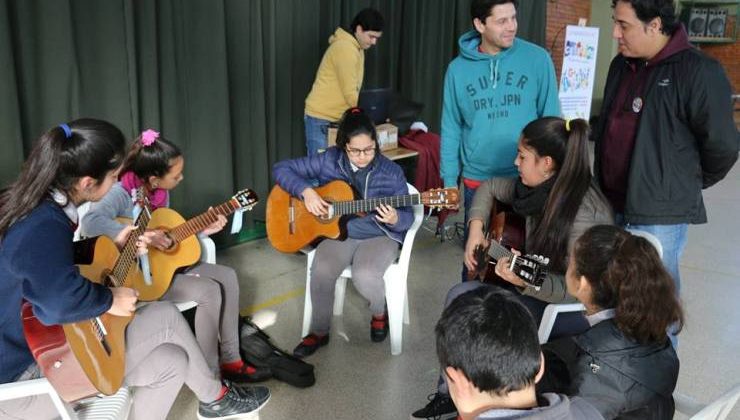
673	240
316	131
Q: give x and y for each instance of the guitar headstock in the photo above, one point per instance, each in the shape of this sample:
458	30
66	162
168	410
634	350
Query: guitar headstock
440	197
246	199
140	198
531	268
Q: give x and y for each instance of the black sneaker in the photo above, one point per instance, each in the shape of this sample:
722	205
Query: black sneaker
309	345
379	328
238	401
248	373
440	407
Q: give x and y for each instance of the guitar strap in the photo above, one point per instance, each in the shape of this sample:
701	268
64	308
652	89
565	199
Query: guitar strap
236	222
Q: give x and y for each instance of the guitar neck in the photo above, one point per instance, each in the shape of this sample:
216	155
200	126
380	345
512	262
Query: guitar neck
128	255
498	251
357	206
202	221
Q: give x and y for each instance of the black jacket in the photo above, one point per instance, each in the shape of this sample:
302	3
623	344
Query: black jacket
686	138
621	378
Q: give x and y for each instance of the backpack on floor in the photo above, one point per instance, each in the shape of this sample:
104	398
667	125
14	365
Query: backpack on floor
257	348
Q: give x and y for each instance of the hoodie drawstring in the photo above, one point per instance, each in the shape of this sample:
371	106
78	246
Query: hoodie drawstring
493	73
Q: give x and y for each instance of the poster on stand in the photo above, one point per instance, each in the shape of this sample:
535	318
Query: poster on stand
577	76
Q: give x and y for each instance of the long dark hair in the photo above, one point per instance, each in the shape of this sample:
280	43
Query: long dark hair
355	122
626	273
568	148
58	159
152	160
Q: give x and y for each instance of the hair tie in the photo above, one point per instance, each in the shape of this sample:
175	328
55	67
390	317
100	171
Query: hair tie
567	125
355	110
67	131
148	137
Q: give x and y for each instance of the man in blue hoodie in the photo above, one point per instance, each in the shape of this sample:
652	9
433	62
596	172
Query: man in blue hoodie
497	85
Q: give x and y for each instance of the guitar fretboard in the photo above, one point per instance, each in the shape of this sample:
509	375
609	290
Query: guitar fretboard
357	206
127	259
202	221
498	251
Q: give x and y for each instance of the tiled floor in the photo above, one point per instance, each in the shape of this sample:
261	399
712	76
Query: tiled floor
358	379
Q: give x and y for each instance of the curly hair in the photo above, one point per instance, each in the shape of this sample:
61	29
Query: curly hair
626	273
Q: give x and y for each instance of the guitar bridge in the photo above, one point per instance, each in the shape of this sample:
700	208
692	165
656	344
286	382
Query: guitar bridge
291	218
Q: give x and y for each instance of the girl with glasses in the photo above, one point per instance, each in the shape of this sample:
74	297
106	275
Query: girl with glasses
373	239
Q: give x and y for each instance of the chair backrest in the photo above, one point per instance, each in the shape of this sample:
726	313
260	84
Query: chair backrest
408	241
718	409
654	241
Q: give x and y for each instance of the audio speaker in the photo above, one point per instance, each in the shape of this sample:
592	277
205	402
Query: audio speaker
716	20
697	23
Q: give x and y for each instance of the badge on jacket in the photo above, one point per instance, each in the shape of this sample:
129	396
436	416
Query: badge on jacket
637	104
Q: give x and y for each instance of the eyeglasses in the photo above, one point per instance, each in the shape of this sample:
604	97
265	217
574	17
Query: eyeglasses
357	152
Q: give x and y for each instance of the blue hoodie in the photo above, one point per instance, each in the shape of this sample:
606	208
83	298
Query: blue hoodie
488	99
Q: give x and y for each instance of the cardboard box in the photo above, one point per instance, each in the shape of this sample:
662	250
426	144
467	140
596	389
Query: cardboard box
387	136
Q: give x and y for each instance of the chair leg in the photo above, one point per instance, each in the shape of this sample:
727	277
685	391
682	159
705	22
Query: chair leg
395	289
406	318
307	308
339	291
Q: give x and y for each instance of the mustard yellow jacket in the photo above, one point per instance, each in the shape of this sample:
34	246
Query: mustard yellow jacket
338	79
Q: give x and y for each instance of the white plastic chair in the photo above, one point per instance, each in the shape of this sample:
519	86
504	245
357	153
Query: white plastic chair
718	409
396	292
552	310
114	407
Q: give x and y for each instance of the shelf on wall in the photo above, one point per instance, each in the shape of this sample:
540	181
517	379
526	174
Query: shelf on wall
711	40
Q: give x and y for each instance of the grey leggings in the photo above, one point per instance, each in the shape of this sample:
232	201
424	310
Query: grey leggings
216	290
161	355
369	259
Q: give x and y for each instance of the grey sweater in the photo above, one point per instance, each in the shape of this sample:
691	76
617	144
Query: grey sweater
101	218
594	210
552	407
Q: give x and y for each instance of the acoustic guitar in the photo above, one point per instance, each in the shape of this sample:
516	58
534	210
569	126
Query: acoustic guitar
507	231
186	249
85	358
290	226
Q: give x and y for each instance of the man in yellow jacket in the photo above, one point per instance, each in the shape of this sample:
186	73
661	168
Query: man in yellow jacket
339	77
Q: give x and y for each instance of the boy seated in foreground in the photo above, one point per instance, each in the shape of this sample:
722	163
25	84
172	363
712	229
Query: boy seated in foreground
489	352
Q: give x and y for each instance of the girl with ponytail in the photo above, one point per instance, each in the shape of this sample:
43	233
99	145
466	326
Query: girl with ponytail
69	165
624	364
556	195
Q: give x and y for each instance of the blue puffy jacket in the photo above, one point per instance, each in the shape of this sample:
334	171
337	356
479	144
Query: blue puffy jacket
385	179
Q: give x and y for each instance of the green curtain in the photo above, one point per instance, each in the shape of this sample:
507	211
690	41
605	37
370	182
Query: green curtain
224	79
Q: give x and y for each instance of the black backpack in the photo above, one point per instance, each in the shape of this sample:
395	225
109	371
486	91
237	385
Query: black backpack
257	348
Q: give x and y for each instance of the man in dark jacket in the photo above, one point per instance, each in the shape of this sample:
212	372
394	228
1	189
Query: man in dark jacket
666	129
489	351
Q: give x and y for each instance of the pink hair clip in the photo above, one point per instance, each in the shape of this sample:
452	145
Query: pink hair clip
148	137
